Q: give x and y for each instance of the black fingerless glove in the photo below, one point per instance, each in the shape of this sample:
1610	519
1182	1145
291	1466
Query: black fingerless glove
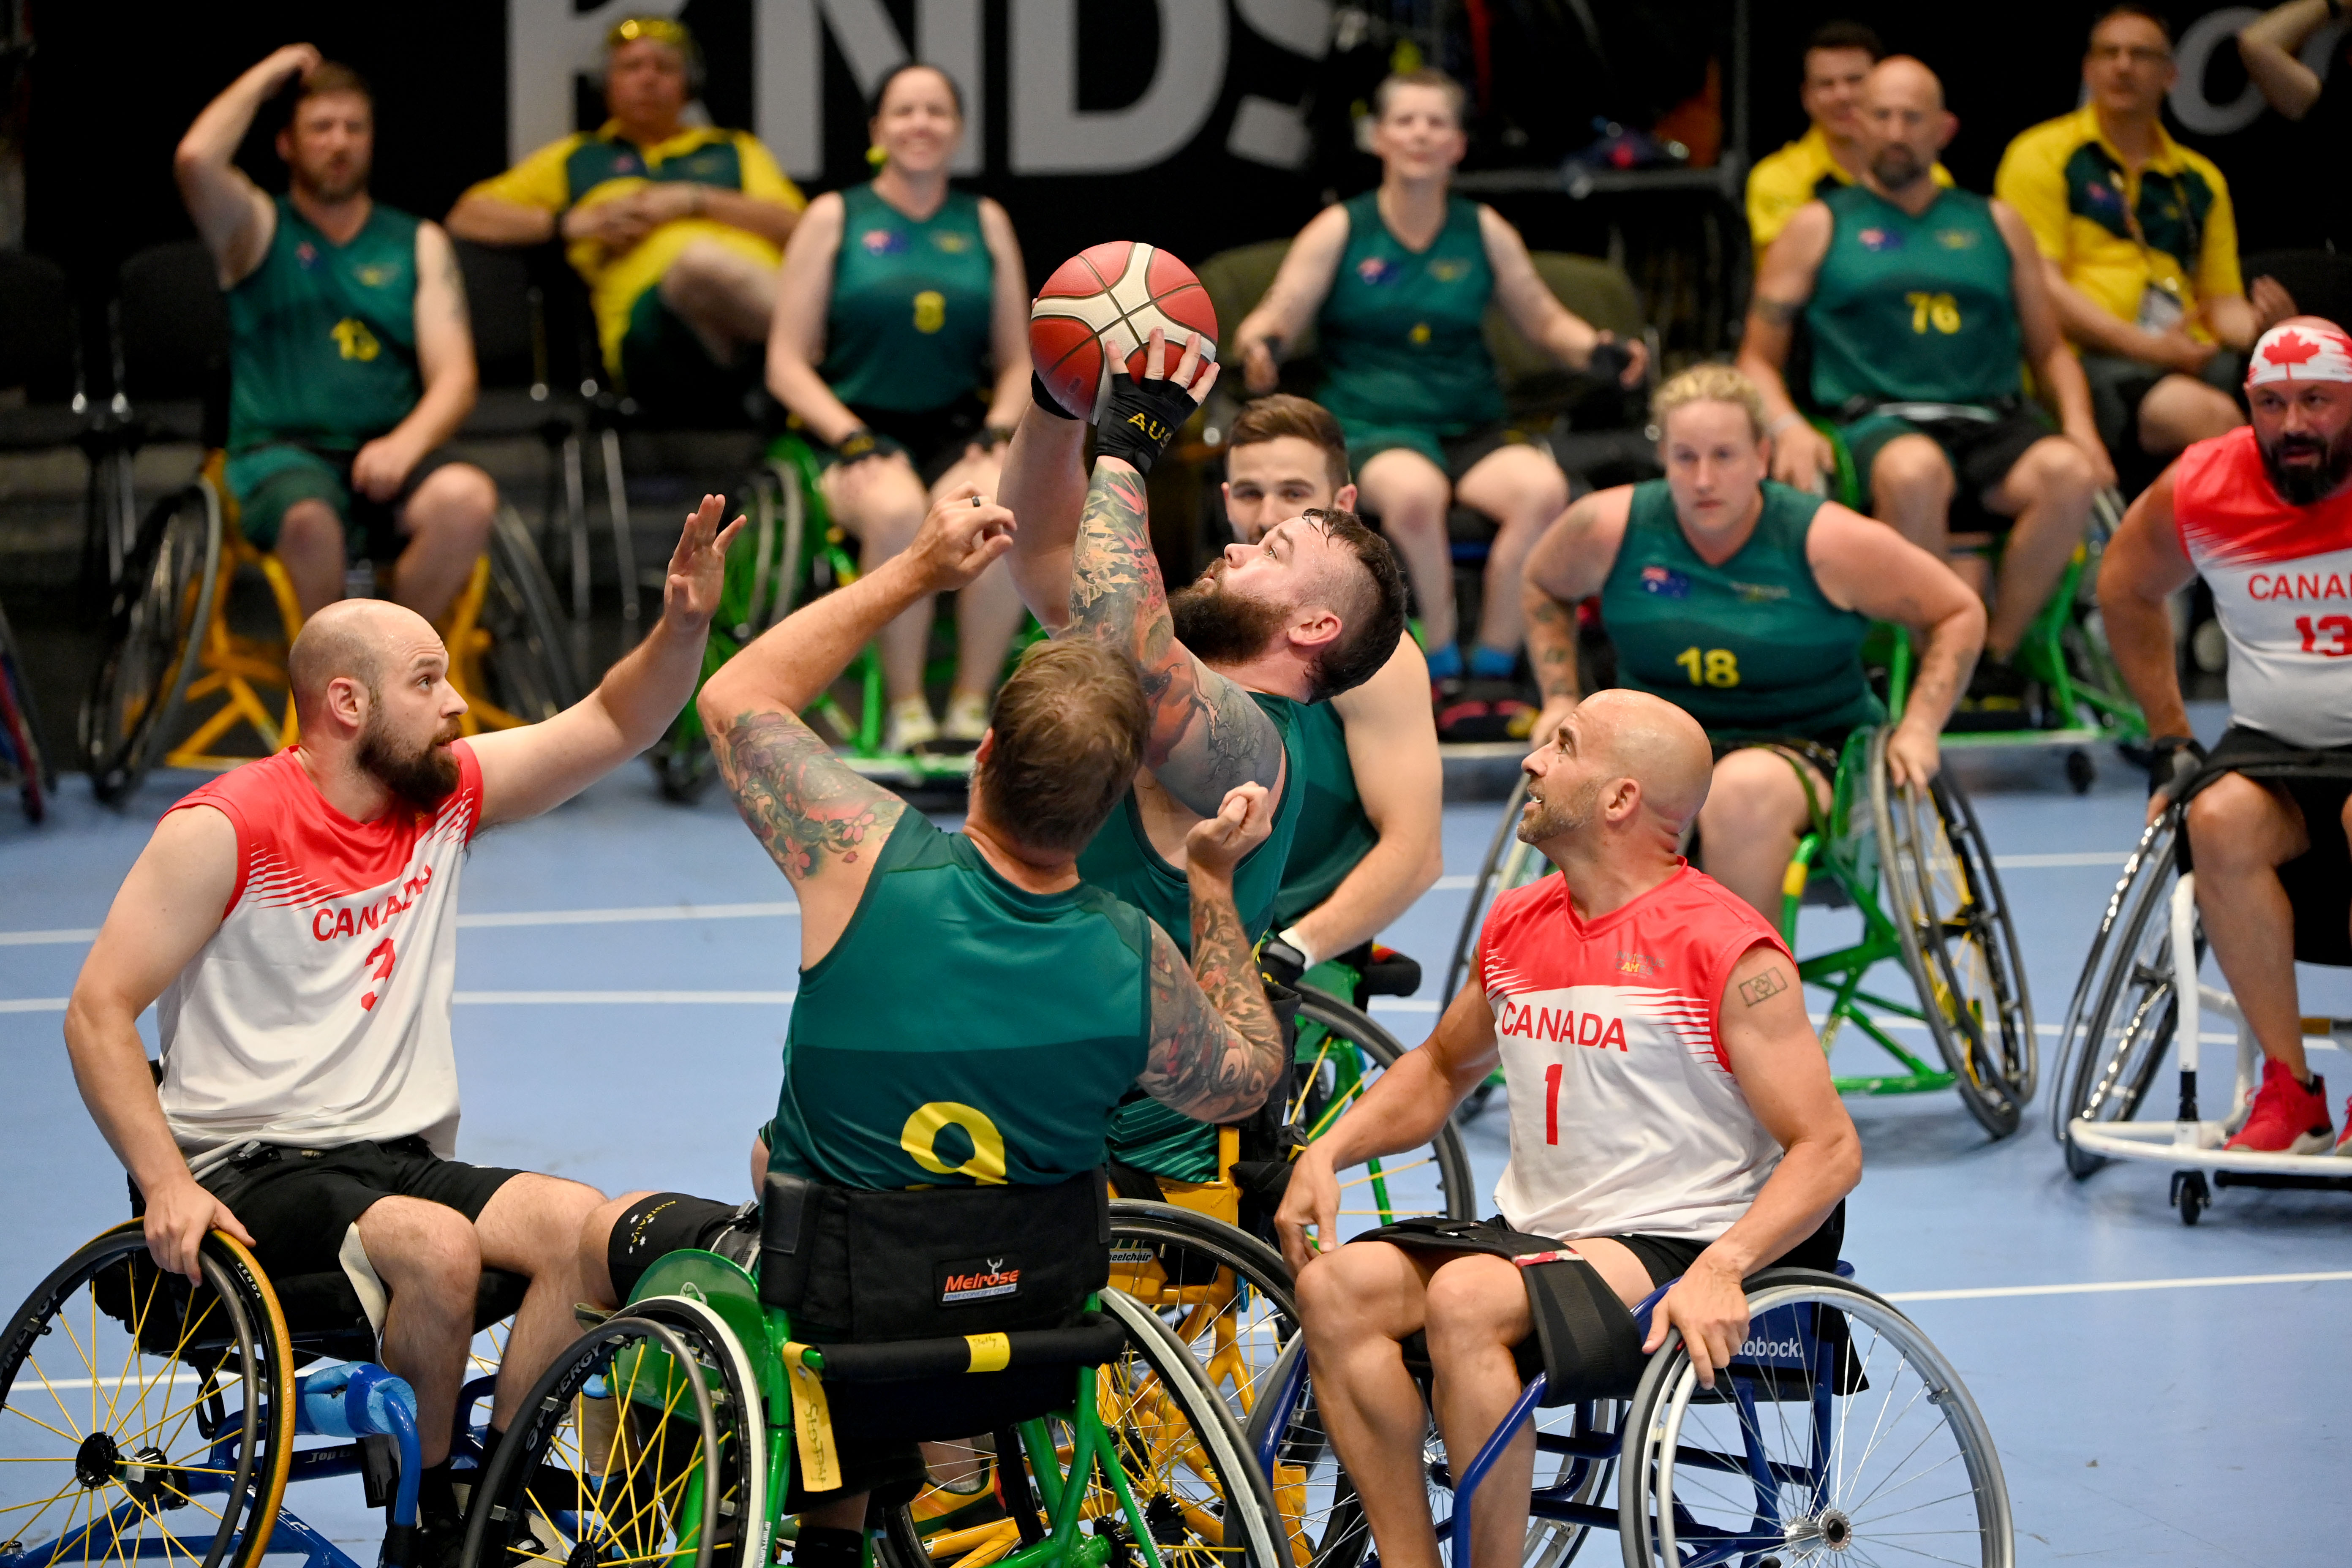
1043	397
863	443
1141	418
1279	962
2173	760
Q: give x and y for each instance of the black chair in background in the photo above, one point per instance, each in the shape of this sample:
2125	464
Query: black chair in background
44	403
169	344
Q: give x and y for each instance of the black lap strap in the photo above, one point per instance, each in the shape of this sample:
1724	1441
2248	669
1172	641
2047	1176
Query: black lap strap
1092	1340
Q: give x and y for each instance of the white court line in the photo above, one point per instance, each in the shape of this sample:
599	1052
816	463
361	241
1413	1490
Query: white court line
34	1004
45	938
1412	1005
602	998
2104	1286
2062	858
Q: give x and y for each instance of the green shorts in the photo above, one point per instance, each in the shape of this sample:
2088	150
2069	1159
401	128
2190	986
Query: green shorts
667	371
268	481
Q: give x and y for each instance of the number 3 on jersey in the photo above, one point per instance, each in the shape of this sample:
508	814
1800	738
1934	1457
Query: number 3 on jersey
2338	630
1710	667
380	956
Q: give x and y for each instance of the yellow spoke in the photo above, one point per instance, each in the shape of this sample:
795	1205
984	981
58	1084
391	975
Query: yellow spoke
188	1332
157	1521
27	1527
182	1411
1385	1174
1307	1079
36	1459
55	1399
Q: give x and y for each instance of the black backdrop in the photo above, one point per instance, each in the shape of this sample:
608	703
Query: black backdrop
114	83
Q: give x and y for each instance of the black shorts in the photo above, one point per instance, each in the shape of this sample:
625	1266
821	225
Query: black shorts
301	1205
934	439
1981	453
1668	1257
2319	779
2119	385
666	1222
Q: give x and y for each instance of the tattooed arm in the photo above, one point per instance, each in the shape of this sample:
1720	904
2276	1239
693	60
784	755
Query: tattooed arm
819	819
1216	1048
1784	284
1207	735
1568	564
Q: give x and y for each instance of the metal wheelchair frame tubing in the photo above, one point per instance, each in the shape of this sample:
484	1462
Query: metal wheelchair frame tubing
1841	972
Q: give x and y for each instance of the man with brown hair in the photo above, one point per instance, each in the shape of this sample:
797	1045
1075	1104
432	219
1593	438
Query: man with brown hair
1368	840
351	357
968	1012
1838	58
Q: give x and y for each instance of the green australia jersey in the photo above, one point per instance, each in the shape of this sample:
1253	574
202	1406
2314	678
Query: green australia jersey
1751	648
1334	834
1145	1133
908	326
323	337
1404	331
963	1031
1913	310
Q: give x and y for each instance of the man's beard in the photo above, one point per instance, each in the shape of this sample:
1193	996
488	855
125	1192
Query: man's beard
326	185
1554	817
2307	486
1222	627
1896	168
424	777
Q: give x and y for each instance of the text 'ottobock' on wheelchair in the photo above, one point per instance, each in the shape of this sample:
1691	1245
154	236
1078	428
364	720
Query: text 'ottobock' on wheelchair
1837	1434
144	1417
1915	866
2140	999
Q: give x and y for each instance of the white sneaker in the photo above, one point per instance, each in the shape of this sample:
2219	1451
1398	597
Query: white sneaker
967	718
910	725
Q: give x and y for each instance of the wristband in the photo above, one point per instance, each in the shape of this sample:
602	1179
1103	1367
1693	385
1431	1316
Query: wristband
2173	760
1308	956
1045	400
1140	419
991	436
1281	962
859	442
1782	422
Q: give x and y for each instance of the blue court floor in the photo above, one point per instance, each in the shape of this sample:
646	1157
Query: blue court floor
2159	1395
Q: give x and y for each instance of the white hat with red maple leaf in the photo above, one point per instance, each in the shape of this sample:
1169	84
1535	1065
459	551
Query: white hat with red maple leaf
2304	349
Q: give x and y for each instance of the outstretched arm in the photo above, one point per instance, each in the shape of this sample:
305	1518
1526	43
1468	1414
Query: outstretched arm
539	766
2270	46
1537	312
1296	293
2054	365
2143	566
232	214
819	819
1216	1048
1784	284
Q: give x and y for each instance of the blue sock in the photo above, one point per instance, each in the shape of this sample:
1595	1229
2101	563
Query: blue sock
1492	663
1445	663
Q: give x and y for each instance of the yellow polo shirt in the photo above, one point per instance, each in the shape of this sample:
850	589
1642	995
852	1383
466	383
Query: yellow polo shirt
1784	181
584	169
2113	232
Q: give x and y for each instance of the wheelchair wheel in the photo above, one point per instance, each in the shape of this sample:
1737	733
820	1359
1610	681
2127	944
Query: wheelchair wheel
21	761
1202	1497
1221	1290
2120	1023
1957	940
611	1461
1483	890
529	664
1341	1053
154	637
1889	1461
144	1416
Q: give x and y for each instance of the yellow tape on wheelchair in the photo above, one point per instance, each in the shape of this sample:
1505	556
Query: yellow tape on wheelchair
990	1352
812	1424
1792	881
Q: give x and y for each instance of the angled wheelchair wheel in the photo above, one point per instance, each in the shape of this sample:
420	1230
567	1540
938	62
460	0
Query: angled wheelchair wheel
21	761
2119	1023
155	624
142	1416
529	661
1839	1434
1957	940
1341	1053
1221	1290
636	1447
1484	888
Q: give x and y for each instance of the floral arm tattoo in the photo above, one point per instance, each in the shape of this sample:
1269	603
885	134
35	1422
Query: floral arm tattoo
1207	735
1216	1046
1551	643
800	799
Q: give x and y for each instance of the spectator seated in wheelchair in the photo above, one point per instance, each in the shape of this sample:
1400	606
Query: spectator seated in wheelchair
1397	282
2263	514
1744	602
294	922
1919	304
675	227
1671	1119
351	358
968	1013
900	345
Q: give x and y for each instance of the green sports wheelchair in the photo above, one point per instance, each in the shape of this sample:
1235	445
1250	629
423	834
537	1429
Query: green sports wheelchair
1913	865
791	552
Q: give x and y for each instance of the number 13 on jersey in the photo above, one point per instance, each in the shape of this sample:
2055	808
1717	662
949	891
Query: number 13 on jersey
1710	667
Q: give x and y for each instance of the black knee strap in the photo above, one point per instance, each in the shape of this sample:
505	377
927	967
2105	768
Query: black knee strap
1591	1346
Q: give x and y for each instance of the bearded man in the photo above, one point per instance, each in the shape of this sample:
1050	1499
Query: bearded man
351	355
294	924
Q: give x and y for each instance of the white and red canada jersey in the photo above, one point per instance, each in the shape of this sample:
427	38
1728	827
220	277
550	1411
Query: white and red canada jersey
1624	1113
319	1012
2282	583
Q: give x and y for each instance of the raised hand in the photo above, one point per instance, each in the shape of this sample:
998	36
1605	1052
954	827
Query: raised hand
1144	412
963	534
698	567
1216	844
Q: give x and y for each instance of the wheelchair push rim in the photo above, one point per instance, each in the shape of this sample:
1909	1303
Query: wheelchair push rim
143	1417
1816	1446
1957	940
2120	1022
1341	1052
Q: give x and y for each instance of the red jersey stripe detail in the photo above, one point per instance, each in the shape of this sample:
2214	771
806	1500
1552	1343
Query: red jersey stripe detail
2227	512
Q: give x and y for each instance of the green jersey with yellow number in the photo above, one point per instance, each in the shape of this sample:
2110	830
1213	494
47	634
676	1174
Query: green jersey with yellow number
1404	331
961	1030
907	330
1751	648
1913	310
323	337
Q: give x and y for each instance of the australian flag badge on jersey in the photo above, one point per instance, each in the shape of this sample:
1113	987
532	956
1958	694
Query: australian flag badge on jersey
1376	269
1879	239
883	241
1665	583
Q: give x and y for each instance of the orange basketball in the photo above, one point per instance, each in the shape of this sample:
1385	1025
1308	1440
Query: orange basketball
1095	314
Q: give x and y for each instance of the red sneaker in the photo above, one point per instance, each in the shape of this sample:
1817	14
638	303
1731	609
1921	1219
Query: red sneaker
2287	1118
2343	1144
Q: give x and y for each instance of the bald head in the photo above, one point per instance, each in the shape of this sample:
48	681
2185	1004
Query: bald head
358	638
1657	745
1901	124
1901	79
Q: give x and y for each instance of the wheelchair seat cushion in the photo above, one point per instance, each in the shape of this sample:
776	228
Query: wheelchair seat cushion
2319	780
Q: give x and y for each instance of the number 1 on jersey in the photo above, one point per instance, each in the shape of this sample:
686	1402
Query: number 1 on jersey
1551	1103
381	956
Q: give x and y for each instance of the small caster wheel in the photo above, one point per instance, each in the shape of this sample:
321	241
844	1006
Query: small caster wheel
2081	772
2190	1194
